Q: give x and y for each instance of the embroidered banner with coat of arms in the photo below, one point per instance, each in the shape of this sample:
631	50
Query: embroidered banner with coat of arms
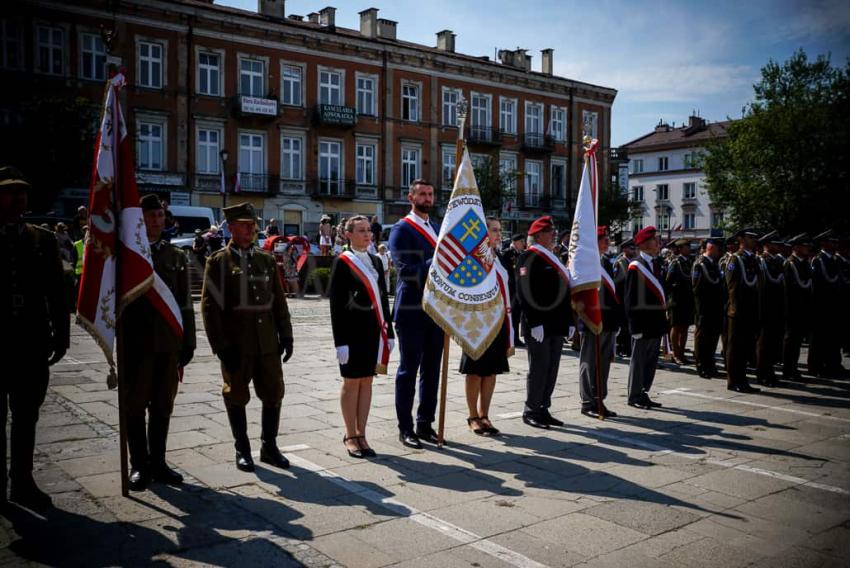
462	289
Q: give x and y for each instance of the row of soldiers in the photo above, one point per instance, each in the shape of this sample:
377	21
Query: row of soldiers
761	296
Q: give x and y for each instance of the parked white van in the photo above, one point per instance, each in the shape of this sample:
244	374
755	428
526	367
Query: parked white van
188	219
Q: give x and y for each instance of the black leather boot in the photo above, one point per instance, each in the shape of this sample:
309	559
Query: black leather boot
269	452
23	489
157	438
239	426
137	443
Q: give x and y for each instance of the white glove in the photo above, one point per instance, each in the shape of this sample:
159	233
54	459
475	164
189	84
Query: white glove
537	333
637	335
342	354
571	332
391	342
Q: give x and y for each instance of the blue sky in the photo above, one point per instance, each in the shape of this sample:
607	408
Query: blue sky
665	58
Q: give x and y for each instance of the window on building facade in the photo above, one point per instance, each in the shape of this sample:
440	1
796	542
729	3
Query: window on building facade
448	168
150	64
691	160
507	115
252	161
410	102
664	221
292	85
559	123
689	220
533	119
480	116
637	224
637	193
533	182
716	219
209	145
662	192
508	173
366	153
51	50
209	74
92	57
251	76
330	167
409	165
559	180
637	166
150	148
330	87
450	100
10	44
291	157
590	123
689	190
663	162
366	99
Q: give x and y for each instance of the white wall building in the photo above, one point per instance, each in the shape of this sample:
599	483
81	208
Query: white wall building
667	184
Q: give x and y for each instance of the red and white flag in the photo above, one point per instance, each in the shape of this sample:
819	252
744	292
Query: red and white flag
117	264
237	185
584	266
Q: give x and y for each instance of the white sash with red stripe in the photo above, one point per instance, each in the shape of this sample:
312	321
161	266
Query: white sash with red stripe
427	233
650	279
608	282
502	277
371	284
552	260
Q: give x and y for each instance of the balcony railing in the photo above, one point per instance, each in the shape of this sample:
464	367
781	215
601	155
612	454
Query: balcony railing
558	202
537	142
258	183
367	191
395	193
689	201
331	187
484	135
532	200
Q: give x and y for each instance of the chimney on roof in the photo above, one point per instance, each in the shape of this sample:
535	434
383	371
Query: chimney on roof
295	17
662	126
548	61
695	122
327	16
515	58
313	17
386	28
446	41
369	22
272	8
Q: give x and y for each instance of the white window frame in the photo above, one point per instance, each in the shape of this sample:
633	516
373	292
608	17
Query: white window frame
560	134
448	156
449	98
560	192
637	193
153	120
253	74
414	101
331	71
594	123
92	70
373	107
406	177
244	171
302	83
202	147
370	163
7	39
717	219
52	49
330	182
663	163
504	160
291	157
662	192
162	60
637	164
637	223
532	199
488	111
689	221
199	51
664	221
689	190
539	106
507	119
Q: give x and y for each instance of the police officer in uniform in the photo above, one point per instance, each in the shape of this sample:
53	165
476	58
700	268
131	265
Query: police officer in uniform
35	332
709	303
742	311
248	327
680	298
798	304
771	308
151	365
825	350
620	268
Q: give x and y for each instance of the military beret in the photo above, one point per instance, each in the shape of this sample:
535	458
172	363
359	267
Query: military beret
518	237
645	234
801	239
828	235
150	202
542	224
601	231
241	212
11	177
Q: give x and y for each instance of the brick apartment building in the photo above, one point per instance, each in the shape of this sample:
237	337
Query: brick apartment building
315	118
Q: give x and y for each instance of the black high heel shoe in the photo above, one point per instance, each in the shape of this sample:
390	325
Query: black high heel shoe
358	453
367	452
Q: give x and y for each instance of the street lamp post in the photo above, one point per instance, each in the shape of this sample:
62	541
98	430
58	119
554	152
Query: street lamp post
224	154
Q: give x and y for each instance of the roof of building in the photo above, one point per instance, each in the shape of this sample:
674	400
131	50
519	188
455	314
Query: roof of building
696	132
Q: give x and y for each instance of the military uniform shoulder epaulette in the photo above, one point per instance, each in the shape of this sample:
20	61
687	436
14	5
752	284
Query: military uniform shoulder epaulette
218	253
263	252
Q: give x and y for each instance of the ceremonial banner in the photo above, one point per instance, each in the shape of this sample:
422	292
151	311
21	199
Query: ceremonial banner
462	289
117	265
584	265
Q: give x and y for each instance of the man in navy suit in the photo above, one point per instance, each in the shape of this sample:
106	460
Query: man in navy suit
412	242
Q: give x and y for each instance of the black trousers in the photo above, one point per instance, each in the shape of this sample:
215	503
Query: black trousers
705	346
769	350
791	345
740	345
22	390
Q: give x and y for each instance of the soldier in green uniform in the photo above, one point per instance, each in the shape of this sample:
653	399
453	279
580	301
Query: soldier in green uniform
709	301
731	248
742	311
771	309
798	305
157	353
680	298
248	327
35	332
825	349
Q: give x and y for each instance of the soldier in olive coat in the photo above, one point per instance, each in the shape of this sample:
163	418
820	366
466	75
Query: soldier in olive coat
248	327
742	311
153	364
709	302
798	305
35	332
680	305
771	309
824	359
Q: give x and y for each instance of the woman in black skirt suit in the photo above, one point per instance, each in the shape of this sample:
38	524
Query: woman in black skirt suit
481	373
363	334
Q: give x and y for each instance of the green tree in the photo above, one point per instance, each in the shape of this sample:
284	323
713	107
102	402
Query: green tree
613	207
494	185
785	163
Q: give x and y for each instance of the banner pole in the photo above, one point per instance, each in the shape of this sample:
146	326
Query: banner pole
599	405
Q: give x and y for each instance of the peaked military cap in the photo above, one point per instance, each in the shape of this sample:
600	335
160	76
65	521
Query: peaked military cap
828	235
769	237
518	237
241	212
801	239
150	202
746	232
627	243
11	177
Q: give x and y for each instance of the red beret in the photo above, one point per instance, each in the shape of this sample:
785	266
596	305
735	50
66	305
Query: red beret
601	231
541	224
644	235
